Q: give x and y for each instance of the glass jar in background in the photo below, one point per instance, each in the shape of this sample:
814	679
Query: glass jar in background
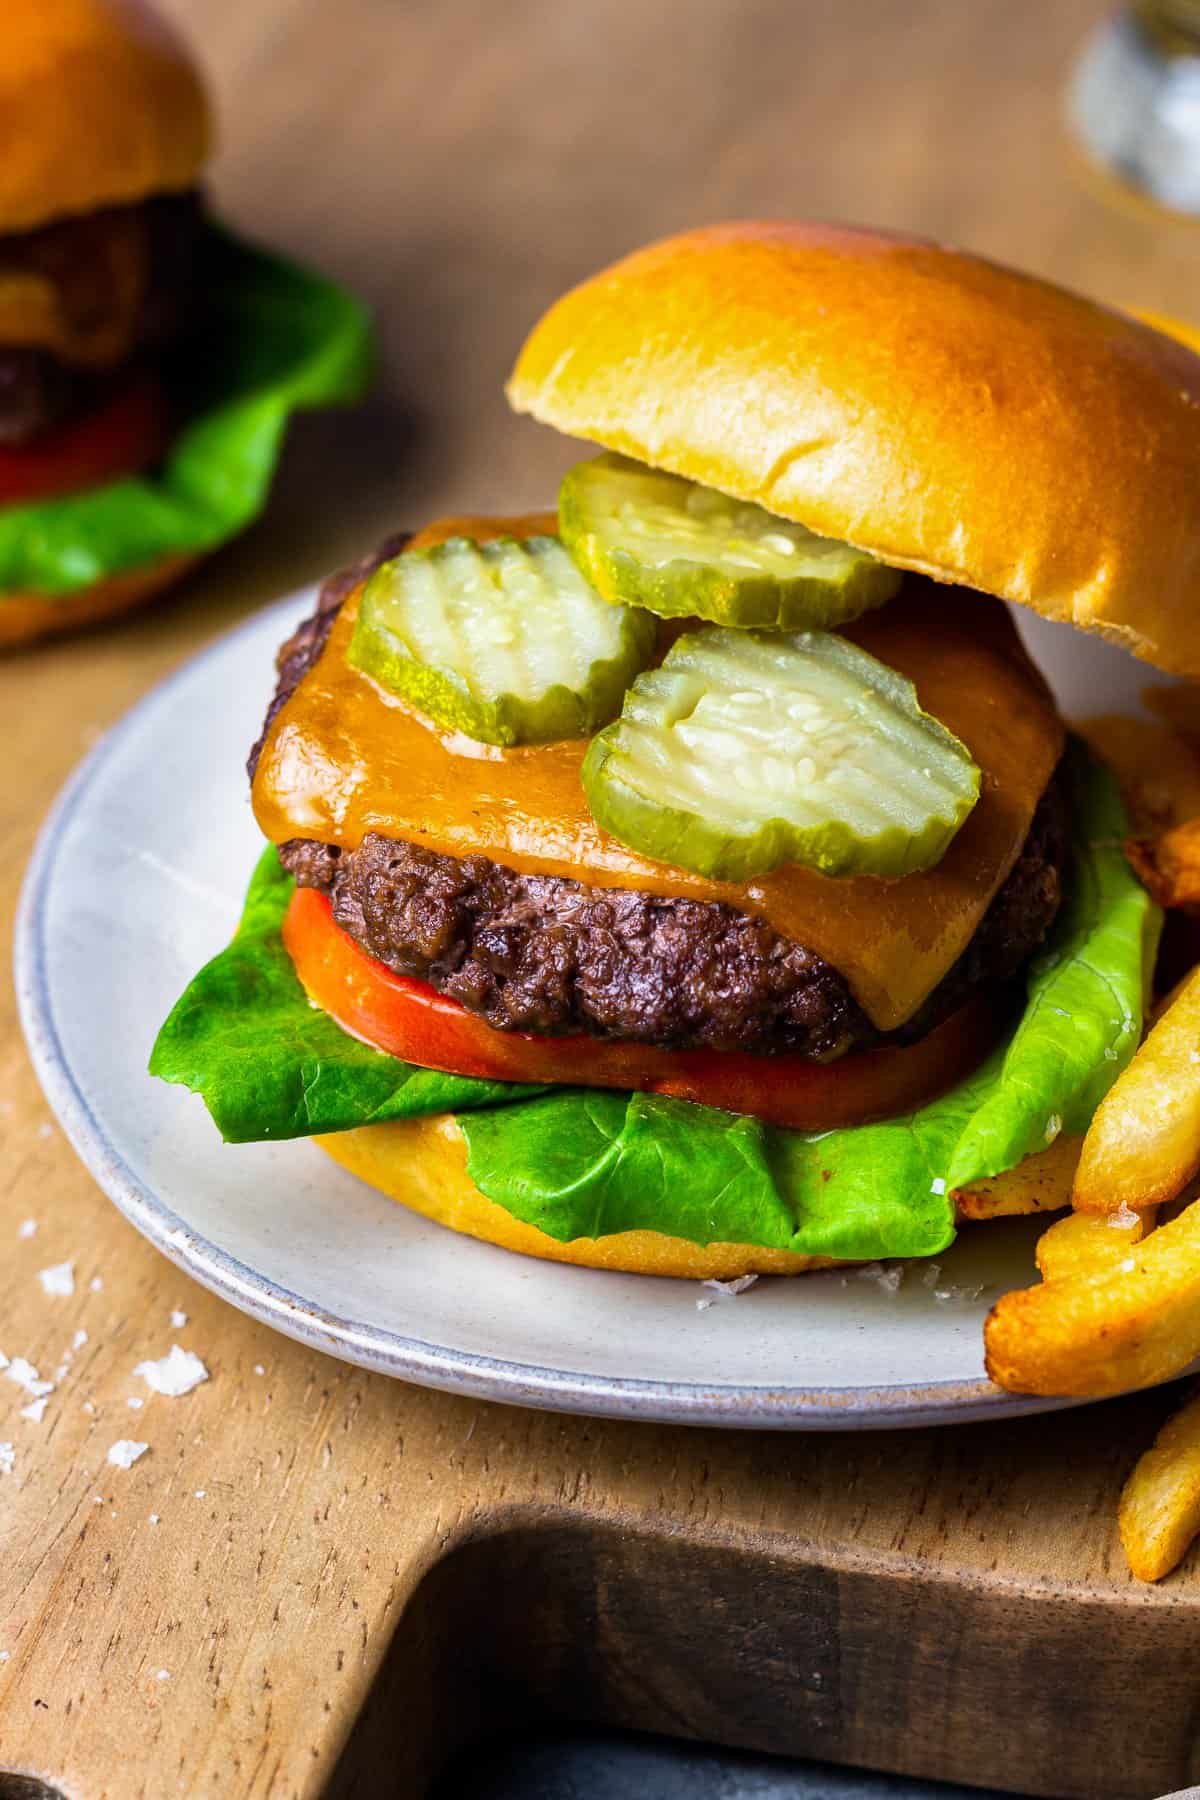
1135	100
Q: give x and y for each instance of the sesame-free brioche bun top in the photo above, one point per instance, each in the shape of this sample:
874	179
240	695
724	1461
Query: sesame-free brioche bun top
948	414
101	106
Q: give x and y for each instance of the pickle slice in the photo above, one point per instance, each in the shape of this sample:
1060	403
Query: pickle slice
503	641
746	750
646	538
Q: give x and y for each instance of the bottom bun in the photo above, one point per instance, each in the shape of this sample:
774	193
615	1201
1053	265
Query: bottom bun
26	617
423	1164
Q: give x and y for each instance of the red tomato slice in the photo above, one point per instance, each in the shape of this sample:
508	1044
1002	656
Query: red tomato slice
409	1019
128	432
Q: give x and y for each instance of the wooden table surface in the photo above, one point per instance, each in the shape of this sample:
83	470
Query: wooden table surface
349	1576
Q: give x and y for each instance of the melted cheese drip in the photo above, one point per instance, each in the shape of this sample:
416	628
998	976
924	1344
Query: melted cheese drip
344	759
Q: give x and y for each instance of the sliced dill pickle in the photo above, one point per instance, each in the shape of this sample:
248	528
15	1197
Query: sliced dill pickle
745	750
646	538
503	641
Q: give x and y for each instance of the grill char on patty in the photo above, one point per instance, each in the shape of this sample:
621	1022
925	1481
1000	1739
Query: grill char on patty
545	954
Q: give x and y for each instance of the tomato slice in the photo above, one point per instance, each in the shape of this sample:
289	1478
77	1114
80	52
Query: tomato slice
409	1019
128	432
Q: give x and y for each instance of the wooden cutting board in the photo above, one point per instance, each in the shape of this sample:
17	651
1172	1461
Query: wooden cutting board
318	1582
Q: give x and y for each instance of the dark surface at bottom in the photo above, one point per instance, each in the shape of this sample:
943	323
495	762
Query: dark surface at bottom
592	1765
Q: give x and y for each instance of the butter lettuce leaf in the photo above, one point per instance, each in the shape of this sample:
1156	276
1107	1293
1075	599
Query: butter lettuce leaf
275	338
589	1162
270	1064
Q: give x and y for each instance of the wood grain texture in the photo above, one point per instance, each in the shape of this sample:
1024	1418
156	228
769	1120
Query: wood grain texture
348	1576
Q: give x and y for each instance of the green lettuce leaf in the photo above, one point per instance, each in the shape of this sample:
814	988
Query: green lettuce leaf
276	339
587	1162
270	1064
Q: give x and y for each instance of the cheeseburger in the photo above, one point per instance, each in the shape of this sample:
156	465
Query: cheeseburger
699	879
147	361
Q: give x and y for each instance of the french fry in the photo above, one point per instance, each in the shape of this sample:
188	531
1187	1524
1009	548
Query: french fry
1132	1325
1143	1145
1042	1183
1159	1513
1090	1243
1157	770
1168	865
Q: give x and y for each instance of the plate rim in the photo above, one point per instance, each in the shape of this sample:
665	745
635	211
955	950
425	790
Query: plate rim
471	1373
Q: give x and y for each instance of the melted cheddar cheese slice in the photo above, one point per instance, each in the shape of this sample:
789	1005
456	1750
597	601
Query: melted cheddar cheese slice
343	759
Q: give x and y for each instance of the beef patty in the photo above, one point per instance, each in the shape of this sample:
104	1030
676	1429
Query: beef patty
125	283
545	954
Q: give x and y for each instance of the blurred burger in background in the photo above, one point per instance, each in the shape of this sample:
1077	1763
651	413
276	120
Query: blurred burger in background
148	362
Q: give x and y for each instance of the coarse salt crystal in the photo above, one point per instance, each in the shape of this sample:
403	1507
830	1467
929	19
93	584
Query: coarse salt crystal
1053	1127
937	1185
8	1457
3	1360
5	1655
79	1340
956	1292
27	1228
163	1675
125	1452
58	1280
154	1518
883	1275
258	1369
95	1284
35	1410
176	1373
178	1320
1130	1262
89	1406
200	1493
932	1275
134	1403
26	1376
1124	1217
724	1290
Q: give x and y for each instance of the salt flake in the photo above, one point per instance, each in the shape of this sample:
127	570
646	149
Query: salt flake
36	1410
724	1290
26	1376
938	1185
8	1457
27	1228
178	1320
125	1452
176	1373
79	1340
58	1280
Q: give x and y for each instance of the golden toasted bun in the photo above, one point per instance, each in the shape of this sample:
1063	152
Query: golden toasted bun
947	414
26	617
423	1164
101	106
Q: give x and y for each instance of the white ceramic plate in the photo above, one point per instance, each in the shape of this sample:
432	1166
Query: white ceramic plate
138	878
